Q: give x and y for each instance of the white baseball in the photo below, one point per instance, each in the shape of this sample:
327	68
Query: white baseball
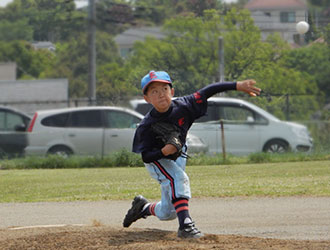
302	27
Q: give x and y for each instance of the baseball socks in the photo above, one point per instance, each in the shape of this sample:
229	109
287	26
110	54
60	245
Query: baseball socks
149	209
187	227
181	208
182	211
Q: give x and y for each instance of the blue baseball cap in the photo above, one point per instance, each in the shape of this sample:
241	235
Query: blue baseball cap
155	76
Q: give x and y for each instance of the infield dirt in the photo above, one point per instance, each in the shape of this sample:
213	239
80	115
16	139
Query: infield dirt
230	223
104	237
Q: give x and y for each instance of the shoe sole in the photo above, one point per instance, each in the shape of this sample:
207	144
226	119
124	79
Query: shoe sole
189	236
133	210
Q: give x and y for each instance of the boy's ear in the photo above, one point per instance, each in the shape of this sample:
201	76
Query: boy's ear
146	98
172	92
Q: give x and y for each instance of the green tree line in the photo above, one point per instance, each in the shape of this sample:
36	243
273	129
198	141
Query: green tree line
189	51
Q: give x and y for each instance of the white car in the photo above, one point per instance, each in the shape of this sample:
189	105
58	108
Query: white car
86	131
247	128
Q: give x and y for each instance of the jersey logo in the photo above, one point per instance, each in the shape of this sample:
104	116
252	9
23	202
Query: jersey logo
198	97
181	121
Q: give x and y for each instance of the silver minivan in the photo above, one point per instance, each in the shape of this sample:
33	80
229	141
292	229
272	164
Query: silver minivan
246	128
97	130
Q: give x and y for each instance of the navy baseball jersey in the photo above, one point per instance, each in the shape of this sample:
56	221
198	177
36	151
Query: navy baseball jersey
182	112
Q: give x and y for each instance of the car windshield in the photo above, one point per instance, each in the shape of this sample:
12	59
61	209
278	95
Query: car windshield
263	112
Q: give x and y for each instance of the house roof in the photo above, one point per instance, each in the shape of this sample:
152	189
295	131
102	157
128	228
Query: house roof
44	45
276	4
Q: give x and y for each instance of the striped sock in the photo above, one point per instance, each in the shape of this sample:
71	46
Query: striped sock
152	208
149	209
182	210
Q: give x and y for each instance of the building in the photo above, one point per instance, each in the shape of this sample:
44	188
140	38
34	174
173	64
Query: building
279	16
31	95
8	71
126	40
44	45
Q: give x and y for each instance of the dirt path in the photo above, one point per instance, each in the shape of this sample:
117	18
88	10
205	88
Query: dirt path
299	218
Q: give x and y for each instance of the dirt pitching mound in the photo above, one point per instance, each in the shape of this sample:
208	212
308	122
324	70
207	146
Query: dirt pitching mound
104	237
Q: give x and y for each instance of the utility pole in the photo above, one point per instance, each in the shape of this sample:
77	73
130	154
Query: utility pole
221	79
91	53
221	60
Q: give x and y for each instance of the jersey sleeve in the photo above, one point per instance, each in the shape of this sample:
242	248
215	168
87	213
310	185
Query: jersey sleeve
142	143
217	87
139	142
195	104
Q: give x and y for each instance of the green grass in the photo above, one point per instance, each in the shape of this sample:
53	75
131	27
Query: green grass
125	158
310	178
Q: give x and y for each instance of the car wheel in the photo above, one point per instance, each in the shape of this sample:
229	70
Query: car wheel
63	151
276	146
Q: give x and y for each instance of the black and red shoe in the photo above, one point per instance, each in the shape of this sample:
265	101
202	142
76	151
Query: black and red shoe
135	212
189	231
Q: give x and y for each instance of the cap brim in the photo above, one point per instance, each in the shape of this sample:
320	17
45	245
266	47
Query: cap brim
156	80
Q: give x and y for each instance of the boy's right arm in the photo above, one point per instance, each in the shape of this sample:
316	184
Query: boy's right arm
246	86
150	156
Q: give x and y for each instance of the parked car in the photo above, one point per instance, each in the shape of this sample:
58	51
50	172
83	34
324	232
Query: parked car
13	140
84	131
247	128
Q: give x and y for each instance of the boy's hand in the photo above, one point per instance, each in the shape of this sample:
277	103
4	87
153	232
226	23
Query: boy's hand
169	149
247	86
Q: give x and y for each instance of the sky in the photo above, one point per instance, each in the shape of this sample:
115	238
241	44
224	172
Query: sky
79	3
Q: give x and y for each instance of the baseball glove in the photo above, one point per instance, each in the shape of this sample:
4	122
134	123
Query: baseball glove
169	134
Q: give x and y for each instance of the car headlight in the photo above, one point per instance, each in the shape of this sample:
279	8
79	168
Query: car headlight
301	132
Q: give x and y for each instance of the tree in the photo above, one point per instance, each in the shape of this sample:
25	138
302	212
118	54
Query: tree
199	6
243	46
326	35
314	60
113	85
188	53
320	3
113	17
19	30
246	56
154	11
51	20
30	62
72	62
159	11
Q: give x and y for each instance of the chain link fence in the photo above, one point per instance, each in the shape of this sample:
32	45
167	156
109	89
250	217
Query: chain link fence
304	109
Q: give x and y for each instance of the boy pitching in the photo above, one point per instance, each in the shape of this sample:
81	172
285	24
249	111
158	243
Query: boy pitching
158	157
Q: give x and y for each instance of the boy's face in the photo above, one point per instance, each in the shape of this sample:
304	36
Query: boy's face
160	95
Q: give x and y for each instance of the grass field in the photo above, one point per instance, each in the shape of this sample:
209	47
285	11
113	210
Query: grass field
267	179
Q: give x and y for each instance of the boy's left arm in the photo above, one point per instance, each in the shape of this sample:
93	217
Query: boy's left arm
247	86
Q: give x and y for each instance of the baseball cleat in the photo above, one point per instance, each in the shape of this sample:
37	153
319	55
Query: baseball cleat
189	231
135	212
